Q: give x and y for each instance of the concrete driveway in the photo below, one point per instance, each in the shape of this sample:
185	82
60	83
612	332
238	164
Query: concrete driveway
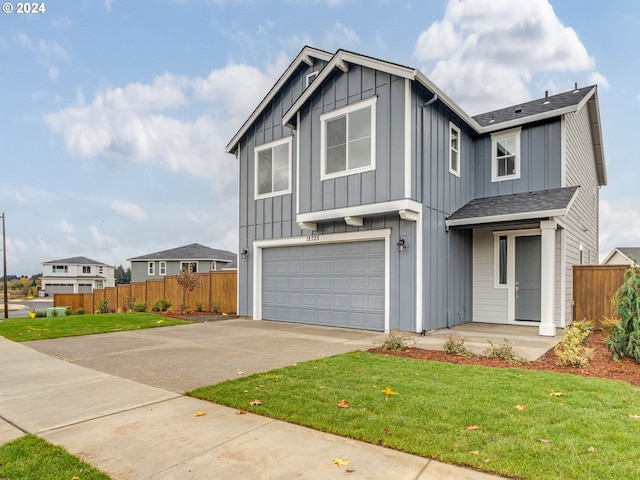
185	357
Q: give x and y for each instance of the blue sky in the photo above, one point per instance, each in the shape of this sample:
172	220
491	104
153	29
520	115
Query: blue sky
114	115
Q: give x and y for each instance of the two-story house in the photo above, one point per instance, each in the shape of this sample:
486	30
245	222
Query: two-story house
76	275
369	199
195	257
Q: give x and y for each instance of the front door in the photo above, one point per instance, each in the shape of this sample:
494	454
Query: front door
527	278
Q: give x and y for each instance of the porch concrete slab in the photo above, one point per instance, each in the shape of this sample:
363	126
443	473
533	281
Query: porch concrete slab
524	340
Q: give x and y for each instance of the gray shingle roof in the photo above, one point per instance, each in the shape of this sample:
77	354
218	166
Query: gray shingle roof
518	206
75	261
195	251
535	107
631	252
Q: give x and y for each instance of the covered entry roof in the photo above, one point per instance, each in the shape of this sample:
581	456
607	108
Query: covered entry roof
518	206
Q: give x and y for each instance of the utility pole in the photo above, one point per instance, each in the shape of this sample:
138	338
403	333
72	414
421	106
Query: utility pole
4	262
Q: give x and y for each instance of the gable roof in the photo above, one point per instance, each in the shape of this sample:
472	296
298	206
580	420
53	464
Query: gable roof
515	207
632	253
75	261
306	55
528	112
195	251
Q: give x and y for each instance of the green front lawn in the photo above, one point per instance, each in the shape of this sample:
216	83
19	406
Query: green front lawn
32	457
527	424
43	328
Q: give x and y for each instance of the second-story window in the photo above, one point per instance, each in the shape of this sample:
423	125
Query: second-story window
505	155
163	268
454	149
273	168
151	268
348	139
189	266
86	269
60	269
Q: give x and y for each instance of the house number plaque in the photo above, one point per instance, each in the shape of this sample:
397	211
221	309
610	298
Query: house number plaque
313	238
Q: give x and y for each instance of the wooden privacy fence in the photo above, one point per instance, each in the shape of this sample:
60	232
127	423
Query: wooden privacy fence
593	287
218	287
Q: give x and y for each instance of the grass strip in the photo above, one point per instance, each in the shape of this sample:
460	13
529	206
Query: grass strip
44	328
33	457
521	423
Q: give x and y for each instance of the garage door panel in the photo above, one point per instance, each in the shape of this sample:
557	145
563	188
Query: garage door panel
338	284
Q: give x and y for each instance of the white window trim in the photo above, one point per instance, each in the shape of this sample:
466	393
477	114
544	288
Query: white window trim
265	146
453	171
162	268
369	102
151	268
494	163
188	264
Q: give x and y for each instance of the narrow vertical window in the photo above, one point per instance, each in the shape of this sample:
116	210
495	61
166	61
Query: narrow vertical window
502	260
505	155
273	168
163	268
151	269
454	150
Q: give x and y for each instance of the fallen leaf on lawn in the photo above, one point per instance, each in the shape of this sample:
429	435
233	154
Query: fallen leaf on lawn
387	391
520	407
343	404
295	364
239	373
473	427
487	460
341	462
322	387
241	412
245	391
591	449
544	440
474	452
636	416
556	394
160	321
75	478
200	414
387	431
255	402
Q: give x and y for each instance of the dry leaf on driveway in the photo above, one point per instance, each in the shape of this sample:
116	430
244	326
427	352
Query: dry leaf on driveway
200	414
241	412
341	462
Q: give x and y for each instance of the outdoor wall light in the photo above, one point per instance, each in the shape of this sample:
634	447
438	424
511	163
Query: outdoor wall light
245	253
400	245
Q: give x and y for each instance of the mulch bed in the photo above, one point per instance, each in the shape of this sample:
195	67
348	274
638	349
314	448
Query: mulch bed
602	364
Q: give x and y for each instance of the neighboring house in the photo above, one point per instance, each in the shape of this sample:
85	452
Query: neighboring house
76	275
194	257
623	256
369	199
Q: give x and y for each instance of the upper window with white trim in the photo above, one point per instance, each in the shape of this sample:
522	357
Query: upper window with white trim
348	139
454	149
273	168
505	155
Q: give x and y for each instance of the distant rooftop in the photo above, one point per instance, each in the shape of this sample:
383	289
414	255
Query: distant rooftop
75	261
195	251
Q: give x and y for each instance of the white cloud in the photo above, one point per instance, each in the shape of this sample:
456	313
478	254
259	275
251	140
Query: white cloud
54	72
145	122
130	210
340	37
486	51
599	79
65	227
619	226
102	242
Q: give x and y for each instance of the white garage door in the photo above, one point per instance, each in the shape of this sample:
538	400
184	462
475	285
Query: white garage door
339	284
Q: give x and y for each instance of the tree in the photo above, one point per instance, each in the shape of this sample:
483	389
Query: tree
624	340
188	281
123	277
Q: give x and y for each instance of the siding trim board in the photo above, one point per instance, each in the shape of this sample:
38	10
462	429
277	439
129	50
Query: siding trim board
360	211
359	236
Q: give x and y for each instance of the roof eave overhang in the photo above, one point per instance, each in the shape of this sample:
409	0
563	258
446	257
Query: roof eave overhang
306	55
513	217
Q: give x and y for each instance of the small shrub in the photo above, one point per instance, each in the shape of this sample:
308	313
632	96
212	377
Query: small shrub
571	350
54	313
103	306
40	313
80	311
624	339
503	352
67	311
161	305
199	306
608	324
140	306
397	341
455	346
215	306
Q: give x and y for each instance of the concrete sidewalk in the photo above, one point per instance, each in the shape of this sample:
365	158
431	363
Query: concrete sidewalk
131	430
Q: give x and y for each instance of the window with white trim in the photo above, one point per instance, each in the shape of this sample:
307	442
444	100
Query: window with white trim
60	269
163	268
273	168
505	155
454	149
86	269
347	142
189	266
213	266
151	268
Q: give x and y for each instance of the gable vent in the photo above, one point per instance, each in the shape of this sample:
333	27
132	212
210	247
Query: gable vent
517	110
